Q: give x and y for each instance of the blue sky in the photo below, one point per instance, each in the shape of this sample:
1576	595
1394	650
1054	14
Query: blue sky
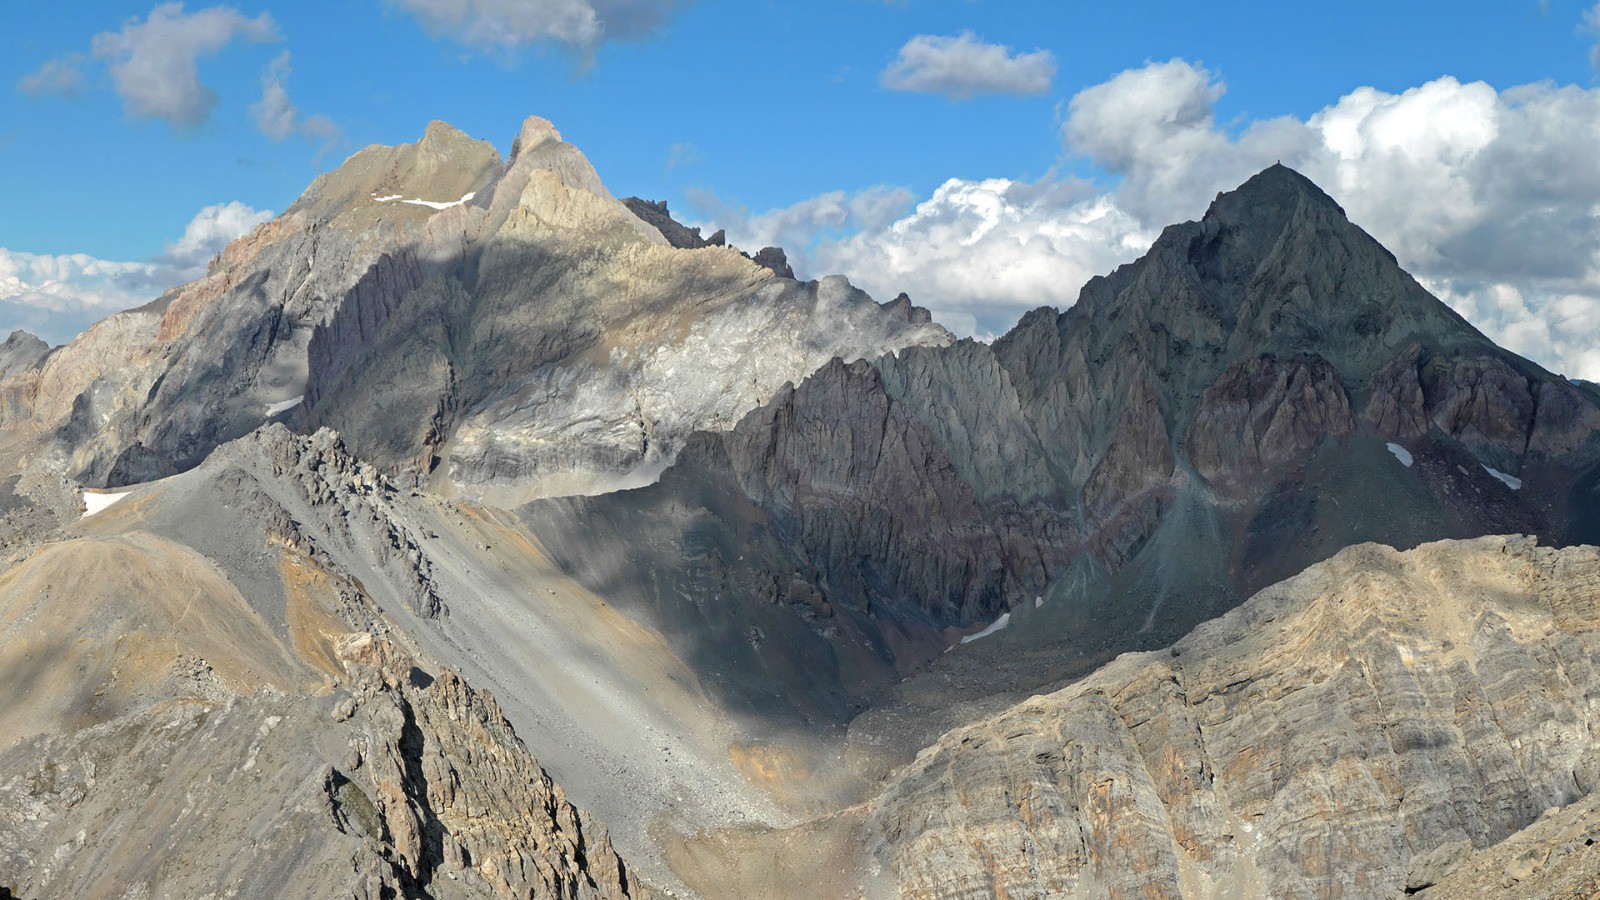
730	110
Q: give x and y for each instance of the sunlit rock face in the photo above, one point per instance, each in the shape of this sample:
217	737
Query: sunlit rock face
1312	743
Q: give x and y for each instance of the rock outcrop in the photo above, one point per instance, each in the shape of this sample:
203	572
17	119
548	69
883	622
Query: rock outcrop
1315	742
684	237
397	783
218	688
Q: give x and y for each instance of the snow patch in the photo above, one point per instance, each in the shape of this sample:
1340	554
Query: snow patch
1000	624
1511	481
1402	454
1038	602
431	204
286	405
98	501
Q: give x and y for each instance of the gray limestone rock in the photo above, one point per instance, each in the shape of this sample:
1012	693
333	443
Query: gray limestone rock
1327	738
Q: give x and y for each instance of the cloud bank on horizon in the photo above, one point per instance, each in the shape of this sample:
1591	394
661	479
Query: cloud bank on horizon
57	296
1491	198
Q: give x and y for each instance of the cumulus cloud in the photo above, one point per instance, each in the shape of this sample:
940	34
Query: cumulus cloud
154	64
1490	197
57	296
965	66
278	117
800	229
983	252
506	26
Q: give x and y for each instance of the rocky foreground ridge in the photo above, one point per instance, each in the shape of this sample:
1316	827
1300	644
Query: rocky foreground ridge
166	736
1326	739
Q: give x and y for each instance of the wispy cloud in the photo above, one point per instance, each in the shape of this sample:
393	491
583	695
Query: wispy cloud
58	77
277	116
507	26
680	155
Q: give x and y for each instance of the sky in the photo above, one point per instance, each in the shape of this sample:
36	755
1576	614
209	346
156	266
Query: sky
985	156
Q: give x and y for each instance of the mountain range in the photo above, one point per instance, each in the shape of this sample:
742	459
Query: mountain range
468	531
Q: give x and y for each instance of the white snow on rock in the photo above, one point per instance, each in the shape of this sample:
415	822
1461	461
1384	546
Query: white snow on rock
431	204
1511	481
286	405
1401	454
1000	624
98	501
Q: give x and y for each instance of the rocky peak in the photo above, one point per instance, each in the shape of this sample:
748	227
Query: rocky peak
1276	188
21	351
775	259
535	132
684	237
443	166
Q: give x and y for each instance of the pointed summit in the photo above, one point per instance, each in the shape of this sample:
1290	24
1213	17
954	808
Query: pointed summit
535	131
1278	183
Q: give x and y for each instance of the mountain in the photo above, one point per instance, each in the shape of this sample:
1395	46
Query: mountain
465	507
503	328
1205	421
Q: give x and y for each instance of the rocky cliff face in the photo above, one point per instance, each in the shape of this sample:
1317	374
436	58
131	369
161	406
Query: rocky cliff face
397	784
1206	421
152	391
251	722
550	341
1312	743
520	328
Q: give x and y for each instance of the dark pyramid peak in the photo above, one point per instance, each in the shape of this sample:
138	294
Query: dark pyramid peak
1276	268
1274	188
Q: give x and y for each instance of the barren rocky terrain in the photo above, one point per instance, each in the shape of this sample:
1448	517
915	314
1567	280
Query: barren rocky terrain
521	541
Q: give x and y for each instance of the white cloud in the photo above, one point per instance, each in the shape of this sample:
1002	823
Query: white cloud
1491	198
504	26
965	66
57	296
60	77
154	63
980	253
212	229
278	117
